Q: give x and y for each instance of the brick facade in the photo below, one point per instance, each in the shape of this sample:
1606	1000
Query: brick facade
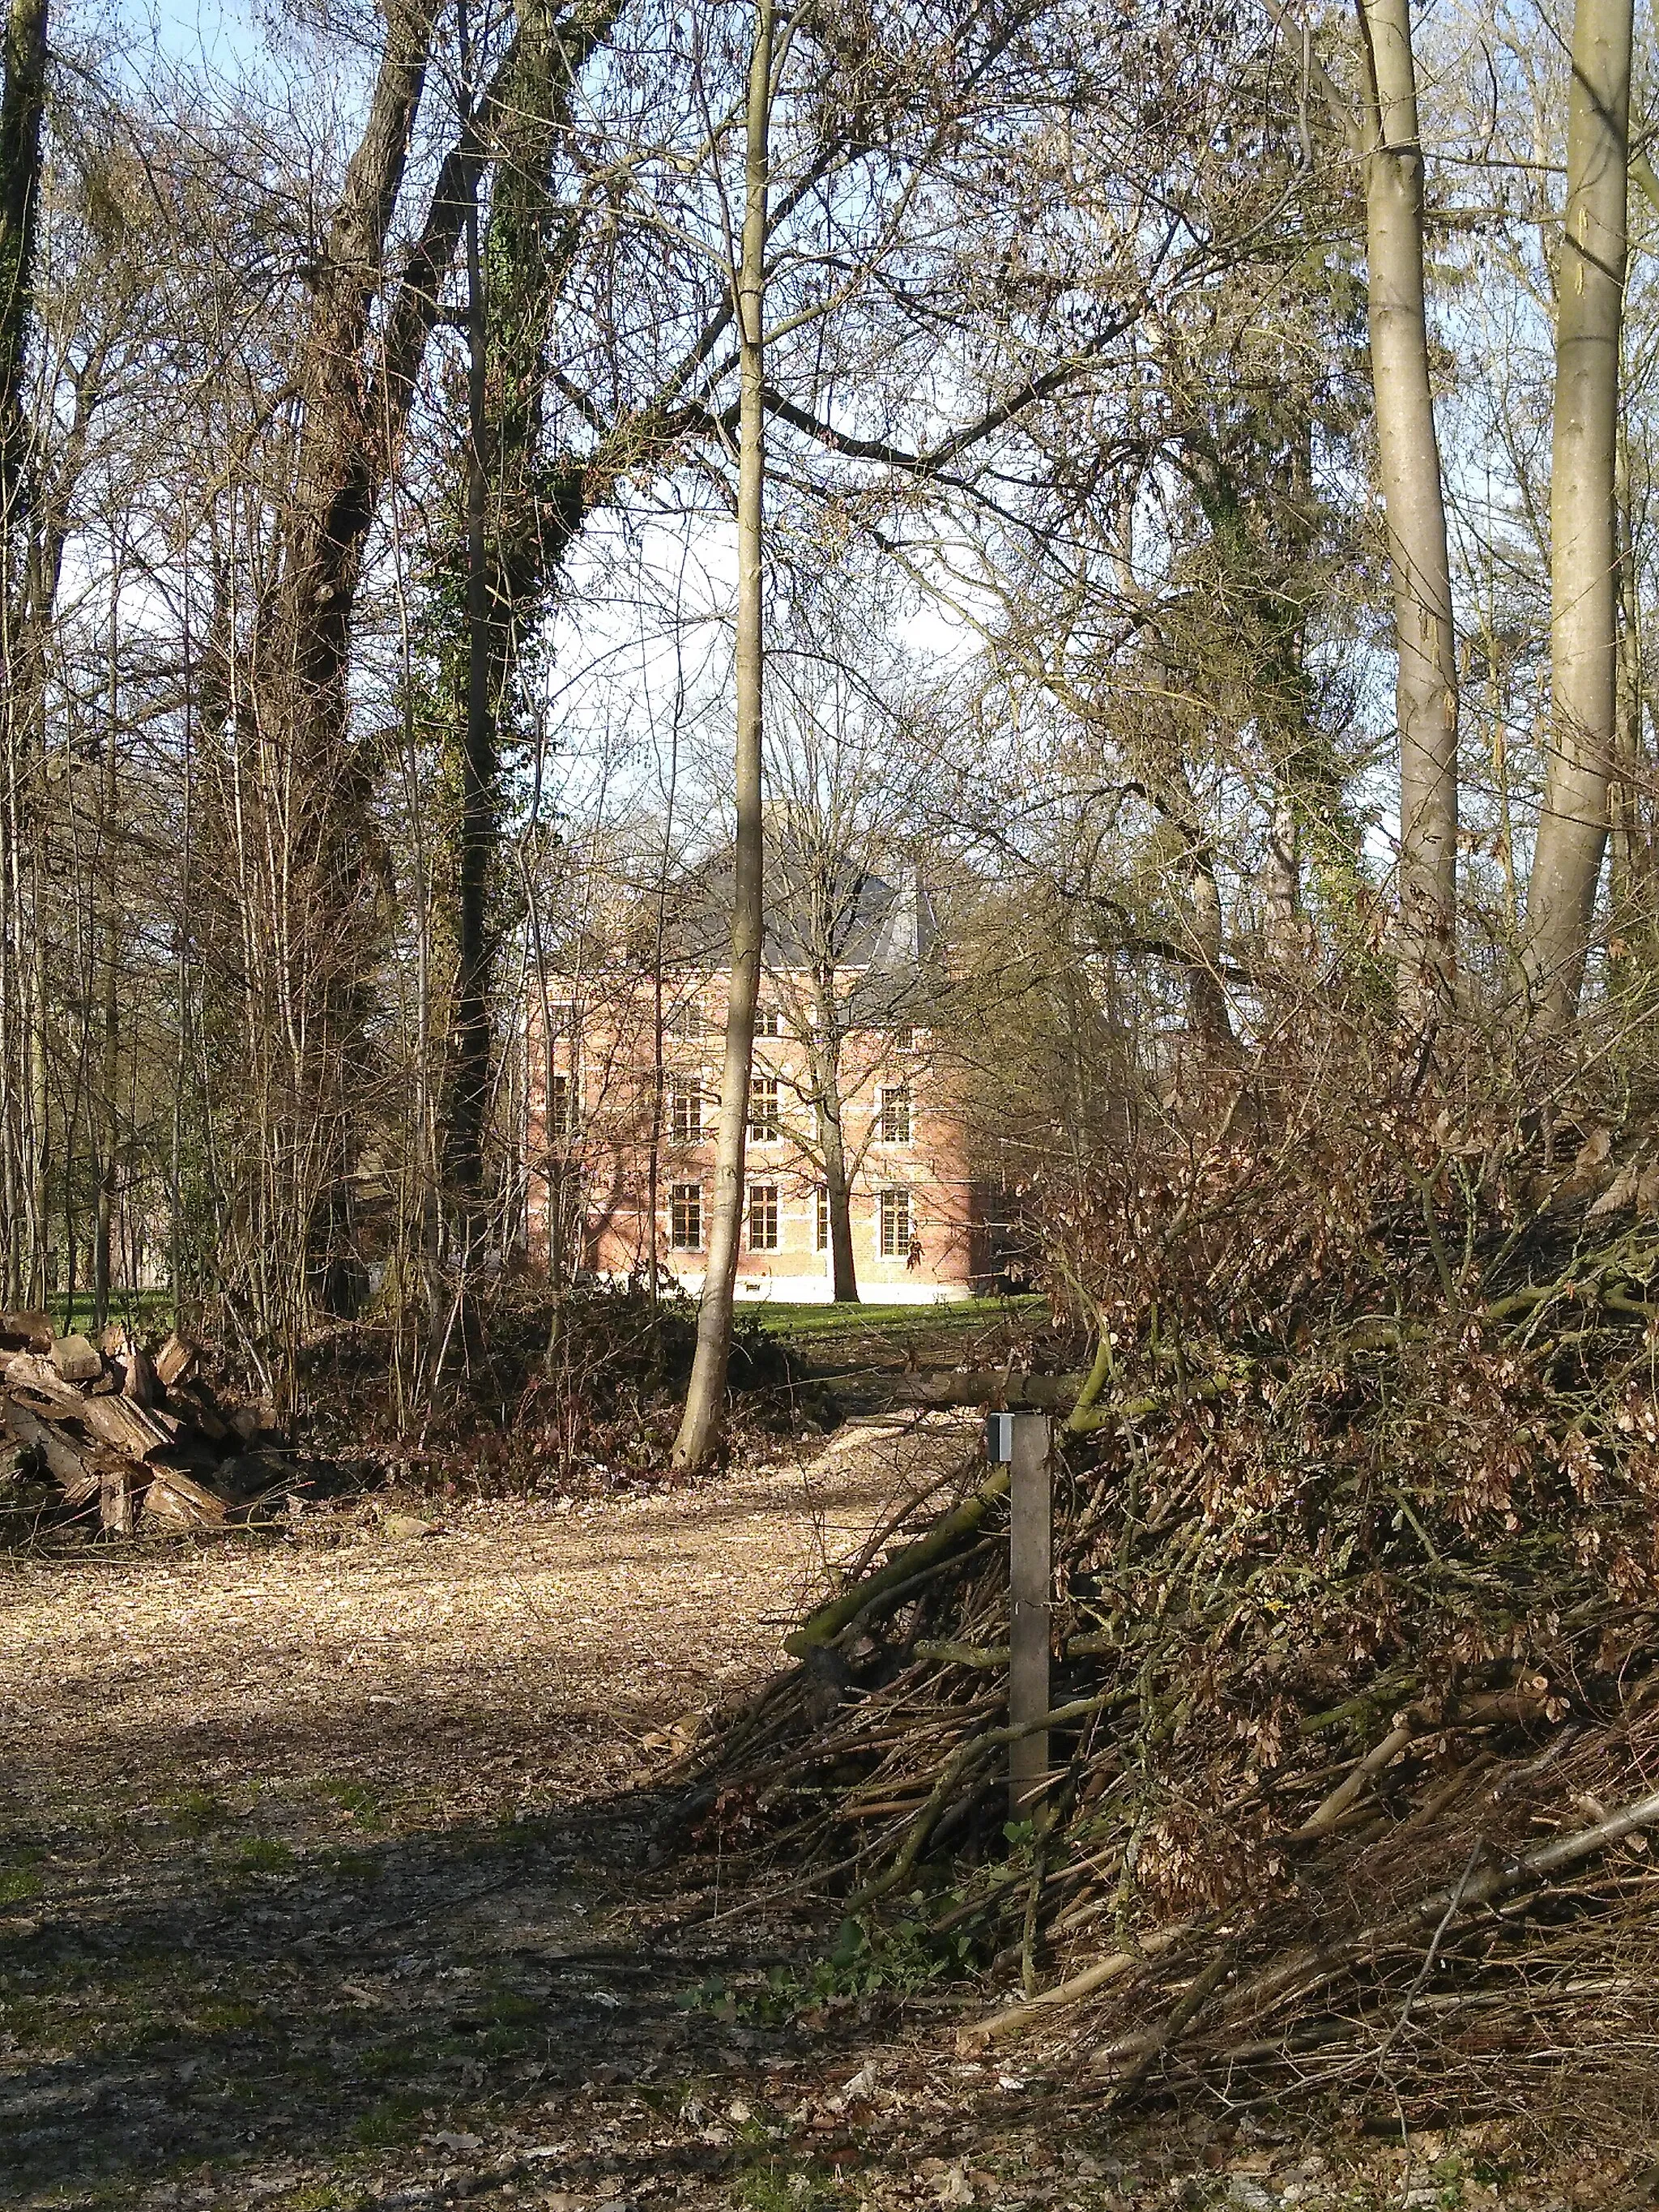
916	1226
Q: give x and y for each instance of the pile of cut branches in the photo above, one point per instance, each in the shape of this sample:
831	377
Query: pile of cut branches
1354	1743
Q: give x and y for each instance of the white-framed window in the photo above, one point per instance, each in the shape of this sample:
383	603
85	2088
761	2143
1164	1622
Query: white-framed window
685	1216
763	1217
821	1217
894	1119
765	1125
898	1226
769	1021
684	1109
561	1108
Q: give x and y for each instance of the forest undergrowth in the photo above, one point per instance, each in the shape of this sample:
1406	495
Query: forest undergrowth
1354	1737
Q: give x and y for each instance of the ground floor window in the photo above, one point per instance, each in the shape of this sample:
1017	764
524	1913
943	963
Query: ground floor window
685	1216
821	1217
898	1225
560	1109
763	1217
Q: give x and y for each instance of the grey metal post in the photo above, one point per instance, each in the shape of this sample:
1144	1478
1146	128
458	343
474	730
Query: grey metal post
1031	1585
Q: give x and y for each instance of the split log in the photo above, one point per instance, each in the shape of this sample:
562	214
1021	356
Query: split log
116	1496
180	1500
128	1427
138	1381
64	1461
175	1360
77	1358
28	1370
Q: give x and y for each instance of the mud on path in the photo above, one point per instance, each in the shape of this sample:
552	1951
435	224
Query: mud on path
317	1861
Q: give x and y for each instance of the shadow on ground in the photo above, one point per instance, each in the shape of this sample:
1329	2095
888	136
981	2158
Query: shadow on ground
209	1999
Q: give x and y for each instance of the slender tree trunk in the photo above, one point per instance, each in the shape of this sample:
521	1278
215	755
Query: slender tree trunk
1408	453
705	1394
832	1146
475	828
109	1121
1207	1016
1573	829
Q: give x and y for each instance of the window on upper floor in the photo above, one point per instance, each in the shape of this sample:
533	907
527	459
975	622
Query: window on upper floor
683	1022
561	1018
765	1125
893	1120
769	1021
763	1217
898	1225
684	1110
685	1216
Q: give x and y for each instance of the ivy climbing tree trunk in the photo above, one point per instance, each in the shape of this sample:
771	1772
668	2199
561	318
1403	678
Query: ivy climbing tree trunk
705	1397
1573	829
25	1163
523	510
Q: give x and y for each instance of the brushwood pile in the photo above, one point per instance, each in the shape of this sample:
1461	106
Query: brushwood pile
1355	1641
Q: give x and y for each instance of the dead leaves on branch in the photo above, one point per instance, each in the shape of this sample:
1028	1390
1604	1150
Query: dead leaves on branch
1356	1605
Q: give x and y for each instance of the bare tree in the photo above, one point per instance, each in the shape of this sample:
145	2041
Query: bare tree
1408	454
706	1392
1584	565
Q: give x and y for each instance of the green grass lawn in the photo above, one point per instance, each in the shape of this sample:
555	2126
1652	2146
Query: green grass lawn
149	1309
823	1324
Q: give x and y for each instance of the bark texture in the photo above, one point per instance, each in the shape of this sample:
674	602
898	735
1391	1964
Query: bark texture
1573	830
1408	454
705	1397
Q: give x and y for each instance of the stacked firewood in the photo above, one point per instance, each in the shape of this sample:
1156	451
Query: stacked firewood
133	1436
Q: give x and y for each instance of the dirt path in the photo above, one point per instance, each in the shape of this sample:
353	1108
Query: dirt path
332	1880
300	1856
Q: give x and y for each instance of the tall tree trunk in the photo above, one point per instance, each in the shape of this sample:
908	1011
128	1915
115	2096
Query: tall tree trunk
1408	453
22	109
106	1139
1573	829
522	514
23	1202
1631	887
705	1396
470	1074
825	1061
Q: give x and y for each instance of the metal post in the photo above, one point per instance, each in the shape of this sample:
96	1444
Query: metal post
1032	1590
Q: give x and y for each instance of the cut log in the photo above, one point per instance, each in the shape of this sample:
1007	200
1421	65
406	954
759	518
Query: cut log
192	1403
174	1361
254	1475
77	1358
180	1501
115	1498
256	1418
118	1421
28	1370
25	1332
64	1461
138	1381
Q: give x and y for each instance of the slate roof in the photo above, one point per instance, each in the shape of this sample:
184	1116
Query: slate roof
888	931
